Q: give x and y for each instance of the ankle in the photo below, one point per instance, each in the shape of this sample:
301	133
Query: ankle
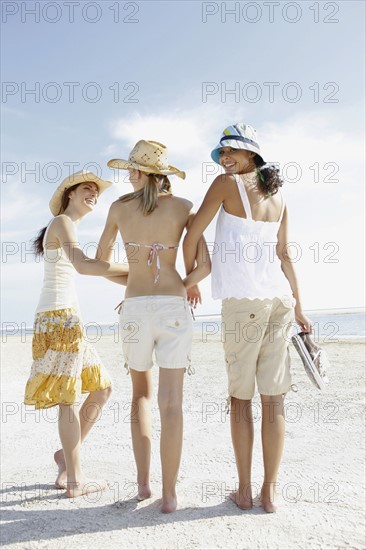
269	489
245	490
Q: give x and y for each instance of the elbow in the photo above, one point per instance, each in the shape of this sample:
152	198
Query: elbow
207	267
188	241
80	268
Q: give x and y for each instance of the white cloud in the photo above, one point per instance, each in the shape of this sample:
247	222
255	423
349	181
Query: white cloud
109	150
188	134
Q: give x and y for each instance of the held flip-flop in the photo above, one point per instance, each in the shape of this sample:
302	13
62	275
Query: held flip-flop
314	359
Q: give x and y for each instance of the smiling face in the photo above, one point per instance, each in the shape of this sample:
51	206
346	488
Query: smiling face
236	161
84	197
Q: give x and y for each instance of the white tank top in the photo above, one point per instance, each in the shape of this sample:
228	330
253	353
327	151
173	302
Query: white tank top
244	260
58	291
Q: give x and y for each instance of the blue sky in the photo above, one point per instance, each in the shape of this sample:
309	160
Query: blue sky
173	73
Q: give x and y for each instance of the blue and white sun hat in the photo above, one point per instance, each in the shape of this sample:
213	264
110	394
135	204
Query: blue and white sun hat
238	136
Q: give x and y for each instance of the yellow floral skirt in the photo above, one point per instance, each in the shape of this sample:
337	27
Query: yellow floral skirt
64	365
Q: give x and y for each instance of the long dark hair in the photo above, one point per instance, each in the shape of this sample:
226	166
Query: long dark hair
268	177
37	242
148	195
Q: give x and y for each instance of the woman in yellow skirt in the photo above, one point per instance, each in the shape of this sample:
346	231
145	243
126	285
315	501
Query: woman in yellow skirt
64	365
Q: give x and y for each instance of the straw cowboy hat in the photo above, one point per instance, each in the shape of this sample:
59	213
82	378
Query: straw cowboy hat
238	136
150	157
74	179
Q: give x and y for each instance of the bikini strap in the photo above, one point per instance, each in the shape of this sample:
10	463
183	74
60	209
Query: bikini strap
154	254
244	196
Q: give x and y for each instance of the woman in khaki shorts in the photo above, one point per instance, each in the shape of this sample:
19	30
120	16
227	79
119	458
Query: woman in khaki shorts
155	314
253	275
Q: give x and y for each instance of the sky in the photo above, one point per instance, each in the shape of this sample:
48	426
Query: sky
83	81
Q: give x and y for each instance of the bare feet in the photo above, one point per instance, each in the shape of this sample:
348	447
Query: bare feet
268	497
169	504
243	500
77	489
61	479
143	492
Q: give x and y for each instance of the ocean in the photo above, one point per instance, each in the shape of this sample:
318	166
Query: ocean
328	326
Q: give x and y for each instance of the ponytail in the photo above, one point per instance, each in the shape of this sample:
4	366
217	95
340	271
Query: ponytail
268	177
37	242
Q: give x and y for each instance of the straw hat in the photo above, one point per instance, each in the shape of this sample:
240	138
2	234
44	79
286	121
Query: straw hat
74	179
238	136
150	157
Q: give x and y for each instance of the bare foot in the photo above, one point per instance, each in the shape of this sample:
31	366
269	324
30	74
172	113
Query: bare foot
268	497
61	478
77	489
144	492
269	507
169	504
242	501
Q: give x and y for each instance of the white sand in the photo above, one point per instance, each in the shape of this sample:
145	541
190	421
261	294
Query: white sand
322	503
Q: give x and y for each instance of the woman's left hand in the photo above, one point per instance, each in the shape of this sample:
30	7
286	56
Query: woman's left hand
194	296
305	323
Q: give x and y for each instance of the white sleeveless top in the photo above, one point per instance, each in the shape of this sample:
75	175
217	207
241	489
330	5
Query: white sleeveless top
58	291
244	260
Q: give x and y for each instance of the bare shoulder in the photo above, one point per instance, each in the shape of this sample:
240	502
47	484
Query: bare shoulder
115	206
221	184
119	207
184	203
223	180
61	228
60	221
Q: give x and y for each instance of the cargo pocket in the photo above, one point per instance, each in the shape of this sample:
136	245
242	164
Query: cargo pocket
177	323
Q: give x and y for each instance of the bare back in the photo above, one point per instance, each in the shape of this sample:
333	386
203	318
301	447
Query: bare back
164	226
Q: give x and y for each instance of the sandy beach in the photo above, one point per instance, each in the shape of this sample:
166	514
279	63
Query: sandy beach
321	480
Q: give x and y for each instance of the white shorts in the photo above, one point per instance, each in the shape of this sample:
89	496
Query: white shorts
160	323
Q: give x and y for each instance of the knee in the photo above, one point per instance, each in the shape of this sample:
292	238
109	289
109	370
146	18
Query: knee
105	394
272	406
241	404
142	396
272	400
169	406
244	402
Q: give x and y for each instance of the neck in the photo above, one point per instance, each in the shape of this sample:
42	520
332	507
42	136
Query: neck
74	215
137	187
249	176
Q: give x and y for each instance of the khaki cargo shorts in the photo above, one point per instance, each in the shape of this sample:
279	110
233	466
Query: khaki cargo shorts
256	337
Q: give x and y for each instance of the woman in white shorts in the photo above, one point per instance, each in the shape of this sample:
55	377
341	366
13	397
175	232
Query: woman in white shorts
155	314
64	365
253	275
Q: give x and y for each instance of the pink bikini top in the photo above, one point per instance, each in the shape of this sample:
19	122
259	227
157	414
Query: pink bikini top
154	254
